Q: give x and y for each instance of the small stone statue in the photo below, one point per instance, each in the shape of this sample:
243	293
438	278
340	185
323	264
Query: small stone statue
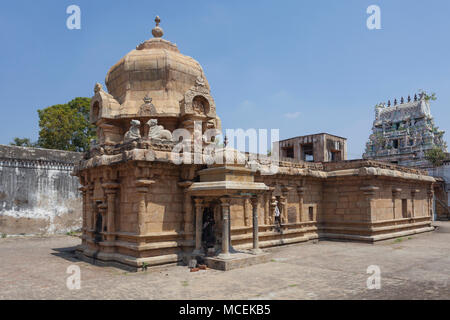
134	132
157	131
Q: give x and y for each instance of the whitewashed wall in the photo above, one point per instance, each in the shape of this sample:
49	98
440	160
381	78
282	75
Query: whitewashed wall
38	195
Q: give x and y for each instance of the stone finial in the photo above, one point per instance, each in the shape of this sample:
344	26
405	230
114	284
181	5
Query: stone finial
389	103
98	87
147	99
157	31
409	98
415	97
402	100
225	141
395	102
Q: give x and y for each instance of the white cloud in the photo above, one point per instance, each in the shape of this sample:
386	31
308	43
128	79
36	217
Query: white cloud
292	115
247	104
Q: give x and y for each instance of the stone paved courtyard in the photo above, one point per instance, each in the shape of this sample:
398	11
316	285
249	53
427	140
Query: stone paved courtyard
416	267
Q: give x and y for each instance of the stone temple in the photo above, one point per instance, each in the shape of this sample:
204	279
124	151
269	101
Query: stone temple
142	207
402	133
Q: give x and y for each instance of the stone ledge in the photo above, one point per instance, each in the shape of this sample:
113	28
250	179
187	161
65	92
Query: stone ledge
123	261
240	260
370	239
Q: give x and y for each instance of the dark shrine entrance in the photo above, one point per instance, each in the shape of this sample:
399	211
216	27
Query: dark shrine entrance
208	230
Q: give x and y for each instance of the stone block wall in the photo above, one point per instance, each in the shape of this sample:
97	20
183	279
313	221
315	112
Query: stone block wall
357	208
38	194
442	190
149	214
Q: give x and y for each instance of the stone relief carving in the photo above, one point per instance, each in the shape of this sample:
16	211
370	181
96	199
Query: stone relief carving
200	105
198	100
200	82
147	108
134	132
157	131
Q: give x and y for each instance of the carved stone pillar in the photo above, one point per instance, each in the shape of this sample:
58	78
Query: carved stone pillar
254	201
270	209
284	203
111	191
273	204
267	196
395	195
246	211
430	194
413	197
90	215
142	188
83	191
225	204
283	216
370	192
187	209
300	193
198	225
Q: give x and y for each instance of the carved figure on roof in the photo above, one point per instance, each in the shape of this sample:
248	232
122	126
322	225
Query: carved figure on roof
157	131
134	132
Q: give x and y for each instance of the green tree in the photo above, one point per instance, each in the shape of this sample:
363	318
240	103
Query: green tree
427	97
22	142
435	156
66	126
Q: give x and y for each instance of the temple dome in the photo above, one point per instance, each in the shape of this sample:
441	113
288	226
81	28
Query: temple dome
155	71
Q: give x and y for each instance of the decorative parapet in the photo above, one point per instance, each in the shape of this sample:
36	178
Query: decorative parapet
353	164
142	151
37	158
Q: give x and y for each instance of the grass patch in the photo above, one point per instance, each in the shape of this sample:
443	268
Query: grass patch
292	285
4	235
398	240
72	233
184	283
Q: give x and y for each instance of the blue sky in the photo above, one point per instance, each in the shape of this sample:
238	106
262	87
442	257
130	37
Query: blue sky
301	66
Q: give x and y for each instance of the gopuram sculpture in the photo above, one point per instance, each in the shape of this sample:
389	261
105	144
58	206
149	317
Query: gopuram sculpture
403	133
